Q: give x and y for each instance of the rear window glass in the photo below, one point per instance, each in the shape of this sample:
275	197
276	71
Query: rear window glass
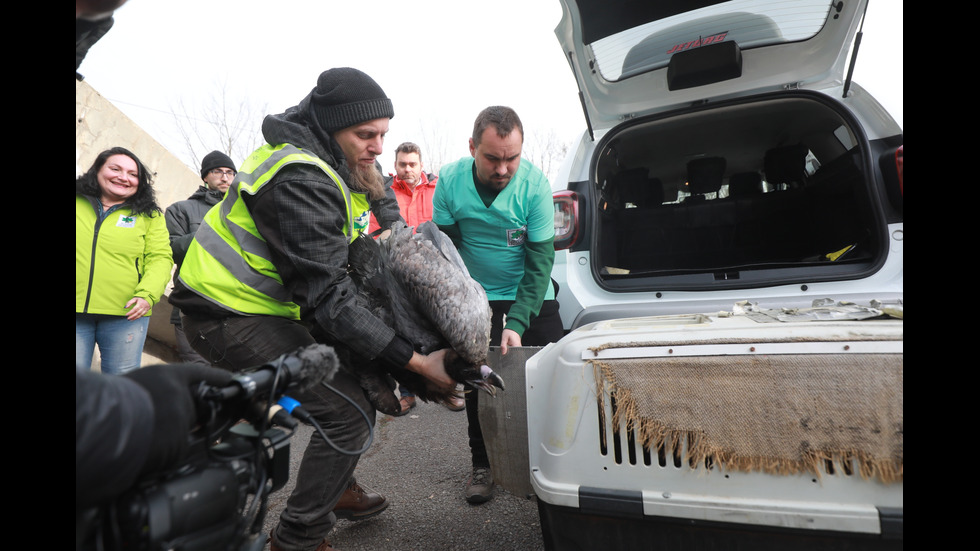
750	23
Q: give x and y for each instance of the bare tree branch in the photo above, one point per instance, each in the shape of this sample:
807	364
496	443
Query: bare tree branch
437	147
227	123
546	151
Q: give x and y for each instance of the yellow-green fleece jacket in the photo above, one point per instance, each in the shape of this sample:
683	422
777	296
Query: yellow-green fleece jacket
121	257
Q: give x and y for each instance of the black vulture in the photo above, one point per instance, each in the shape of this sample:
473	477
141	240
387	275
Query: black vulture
417	283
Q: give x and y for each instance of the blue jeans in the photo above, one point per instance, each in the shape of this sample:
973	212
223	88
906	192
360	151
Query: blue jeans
237	343
120	341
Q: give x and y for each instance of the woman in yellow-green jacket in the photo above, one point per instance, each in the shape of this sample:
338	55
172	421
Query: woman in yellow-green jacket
122	260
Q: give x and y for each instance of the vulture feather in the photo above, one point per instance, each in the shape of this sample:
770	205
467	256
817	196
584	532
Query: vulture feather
417	283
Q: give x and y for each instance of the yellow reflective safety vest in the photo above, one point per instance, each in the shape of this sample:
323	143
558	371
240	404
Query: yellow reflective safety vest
229	262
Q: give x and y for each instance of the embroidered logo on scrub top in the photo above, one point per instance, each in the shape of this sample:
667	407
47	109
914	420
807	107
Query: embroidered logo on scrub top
126	221
516	238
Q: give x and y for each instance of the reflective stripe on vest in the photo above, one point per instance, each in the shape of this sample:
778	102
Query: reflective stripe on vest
229	262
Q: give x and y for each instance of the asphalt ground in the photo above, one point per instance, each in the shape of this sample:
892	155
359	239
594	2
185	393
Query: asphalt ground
421	462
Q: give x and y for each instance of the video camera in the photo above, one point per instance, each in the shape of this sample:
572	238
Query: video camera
217	499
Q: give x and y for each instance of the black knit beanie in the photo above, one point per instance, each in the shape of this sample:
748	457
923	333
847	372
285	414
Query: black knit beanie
344	97
215	159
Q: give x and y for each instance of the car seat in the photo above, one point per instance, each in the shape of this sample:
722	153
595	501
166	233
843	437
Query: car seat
745	184
632	186
704	176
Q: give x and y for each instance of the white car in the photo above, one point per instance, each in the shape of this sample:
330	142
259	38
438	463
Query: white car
749	167
730	259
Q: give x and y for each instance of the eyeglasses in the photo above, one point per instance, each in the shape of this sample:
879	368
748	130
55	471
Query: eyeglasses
219	172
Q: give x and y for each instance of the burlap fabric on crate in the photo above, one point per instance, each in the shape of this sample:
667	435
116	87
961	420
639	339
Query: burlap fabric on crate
780	414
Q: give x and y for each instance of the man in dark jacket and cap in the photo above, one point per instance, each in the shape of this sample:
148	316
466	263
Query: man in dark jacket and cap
183	218
267	273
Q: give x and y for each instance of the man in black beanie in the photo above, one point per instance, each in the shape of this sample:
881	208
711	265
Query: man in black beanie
183	218
246	300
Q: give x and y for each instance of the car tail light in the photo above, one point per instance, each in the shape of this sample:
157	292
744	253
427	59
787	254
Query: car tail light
891	164
899	167
566	219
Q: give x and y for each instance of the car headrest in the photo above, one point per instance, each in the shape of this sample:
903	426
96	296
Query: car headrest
705	175
633	186
786	164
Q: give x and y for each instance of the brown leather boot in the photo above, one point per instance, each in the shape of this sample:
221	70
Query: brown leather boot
456	403
273	546
407	403
479	488
325	546
359	503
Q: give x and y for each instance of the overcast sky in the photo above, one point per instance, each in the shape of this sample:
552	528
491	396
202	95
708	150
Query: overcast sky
440	61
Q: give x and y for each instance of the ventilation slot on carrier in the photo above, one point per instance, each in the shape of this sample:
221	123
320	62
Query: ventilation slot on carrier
623	444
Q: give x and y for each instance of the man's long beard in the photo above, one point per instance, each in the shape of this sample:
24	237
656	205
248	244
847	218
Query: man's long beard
368	180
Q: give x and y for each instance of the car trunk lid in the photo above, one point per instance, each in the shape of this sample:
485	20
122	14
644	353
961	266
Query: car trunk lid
649	58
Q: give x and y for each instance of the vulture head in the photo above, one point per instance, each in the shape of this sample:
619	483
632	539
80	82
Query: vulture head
477	375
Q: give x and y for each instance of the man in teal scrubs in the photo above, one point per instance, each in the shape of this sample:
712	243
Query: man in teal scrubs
497	208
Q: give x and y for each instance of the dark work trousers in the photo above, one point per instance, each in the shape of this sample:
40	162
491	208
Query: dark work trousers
237	343
185	352
545	328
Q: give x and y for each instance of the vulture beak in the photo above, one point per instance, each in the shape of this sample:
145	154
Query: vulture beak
489	382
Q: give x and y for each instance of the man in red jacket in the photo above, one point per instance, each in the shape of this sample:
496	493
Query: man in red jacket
413	189
412	186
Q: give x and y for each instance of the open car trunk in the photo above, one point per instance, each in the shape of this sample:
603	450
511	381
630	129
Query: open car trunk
775	190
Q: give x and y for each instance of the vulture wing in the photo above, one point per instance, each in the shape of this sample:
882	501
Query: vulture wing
417	283
437	286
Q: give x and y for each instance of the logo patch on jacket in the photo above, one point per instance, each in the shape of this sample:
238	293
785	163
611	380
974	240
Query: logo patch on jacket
361	222
516	238
126	221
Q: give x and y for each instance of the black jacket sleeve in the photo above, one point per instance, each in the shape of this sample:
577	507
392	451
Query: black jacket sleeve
113	429
178	225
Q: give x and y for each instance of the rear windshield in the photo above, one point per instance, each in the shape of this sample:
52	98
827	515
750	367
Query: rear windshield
750	23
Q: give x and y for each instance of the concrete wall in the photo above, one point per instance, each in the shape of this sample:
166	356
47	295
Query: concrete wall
99	125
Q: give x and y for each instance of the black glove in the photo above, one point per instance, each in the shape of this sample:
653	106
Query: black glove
173	404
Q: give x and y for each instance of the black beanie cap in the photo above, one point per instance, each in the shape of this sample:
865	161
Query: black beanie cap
216	159
345	96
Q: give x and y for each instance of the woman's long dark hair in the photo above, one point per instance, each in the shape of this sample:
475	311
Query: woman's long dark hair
142	202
